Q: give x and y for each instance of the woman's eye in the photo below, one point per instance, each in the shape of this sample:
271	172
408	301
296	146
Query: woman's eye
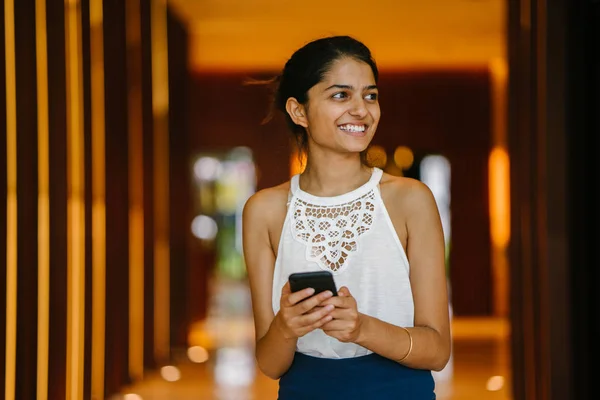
372	96
340	95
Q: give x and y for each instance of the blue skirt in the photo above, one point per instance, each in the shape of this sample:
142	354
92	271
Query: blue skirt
370	377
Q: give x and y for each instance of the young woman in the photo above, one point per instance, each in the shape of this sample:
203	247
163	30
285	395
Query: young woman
379	235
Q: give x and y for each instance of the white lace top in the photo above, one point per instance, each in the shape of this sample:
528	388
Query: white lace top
352	236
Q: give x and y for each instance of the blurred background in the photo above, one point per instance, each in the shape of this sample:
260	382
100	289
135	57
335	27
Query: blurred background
130	144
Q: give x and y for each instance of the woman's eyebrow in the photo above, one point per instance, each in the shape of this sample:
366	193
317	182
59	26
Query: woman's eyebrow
349	87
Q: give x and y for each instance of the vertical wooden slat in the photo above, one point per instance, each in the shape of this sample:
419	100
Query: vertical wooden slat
75	203
98	199
116	371
148	184
136	190
27	195
184	290
542	52
58	199
160	107
86	79
11	202
523	350
3	200
43	202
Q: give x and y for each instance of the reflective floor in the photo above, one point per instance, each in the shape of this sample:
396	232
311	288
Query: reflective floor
220	364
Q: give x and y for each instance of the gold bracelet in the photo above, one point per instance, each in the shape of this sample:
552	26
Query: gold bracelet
410	346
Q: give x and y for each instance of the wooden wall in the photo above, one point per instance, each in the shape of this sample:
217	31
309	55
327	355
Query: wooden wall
554	130
76	90
447	112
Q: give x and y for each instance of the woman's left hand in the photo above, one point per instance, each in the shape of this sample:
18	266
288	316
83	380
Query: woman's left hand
347	321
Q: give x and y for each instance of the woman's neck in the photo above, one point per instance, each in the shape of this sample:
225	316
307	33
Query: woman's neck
333	175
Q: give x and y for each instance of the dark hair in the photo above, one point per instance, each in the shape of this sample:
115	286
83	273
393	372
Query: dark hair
307	67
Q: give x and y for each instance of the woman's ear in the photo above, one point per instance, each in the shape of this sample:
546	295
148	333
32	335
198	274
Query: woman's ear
297	112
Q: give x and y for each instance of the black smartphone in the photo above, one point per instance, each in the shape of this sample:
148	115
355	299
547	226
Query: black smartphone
318	280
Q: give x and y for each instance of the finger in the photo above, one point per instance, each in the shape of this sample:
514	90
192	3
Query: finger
344	291
336	325
312	302
313	317
286	289
296	297
341	313
339	302
317	324
315	309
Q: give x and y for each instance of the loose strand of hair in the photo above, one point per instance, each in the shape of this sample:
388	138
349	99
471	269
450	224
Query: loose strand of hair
272	84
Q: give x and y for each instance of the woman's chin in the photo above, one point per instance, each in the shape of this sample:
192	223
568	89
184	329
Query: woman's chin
356	148
357	144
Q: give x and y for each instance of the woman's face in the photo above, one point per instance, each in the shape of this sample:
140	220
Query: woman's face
343	109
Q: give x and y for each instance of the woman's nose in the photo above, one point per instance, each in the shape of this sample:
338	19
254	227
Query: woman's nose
358	108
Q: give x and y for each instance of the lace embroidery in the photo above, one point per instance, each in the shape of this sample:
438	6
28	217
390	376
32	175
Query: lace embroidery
331	232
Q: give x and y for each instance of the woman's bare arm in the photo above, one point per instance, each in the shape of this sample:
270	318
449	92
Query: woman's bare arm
274	353
426	252
276	335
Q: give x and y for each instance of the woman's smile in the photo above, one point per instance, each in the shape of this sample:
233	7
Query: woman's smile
356	130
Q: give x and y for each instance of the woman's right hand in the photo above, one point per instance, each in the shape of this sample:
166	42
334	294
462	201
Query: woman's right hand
300	313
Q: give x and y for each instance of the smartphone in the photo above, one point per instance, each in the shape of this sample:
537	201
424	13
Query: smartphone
318	280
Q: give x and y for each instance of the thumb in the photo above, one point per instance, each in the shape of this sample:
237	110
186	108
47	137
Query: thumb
286	289
344	291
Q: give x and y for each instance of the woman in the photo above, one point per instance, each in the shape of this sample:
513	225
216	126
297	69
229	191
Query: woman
379	235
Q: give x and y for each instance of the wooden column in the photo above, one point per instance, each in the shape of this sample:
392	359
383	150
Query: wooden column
57	355
553	141
180	182
6	97
77	111
27	196
148	184
3	193
117	211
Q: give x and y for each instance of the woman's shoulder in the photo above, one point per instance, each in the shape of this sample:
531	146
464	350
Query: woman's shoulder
265	201
407	191
407	199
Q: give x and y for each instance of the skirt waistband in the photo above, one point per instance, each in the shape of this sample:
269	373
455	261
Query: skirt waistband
365	377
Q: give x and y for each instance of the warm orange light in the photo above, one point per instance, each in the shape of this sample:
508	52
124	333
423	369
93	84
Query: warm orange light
403	157
377	156
11	201
98	198
200	336
170	373
136	192
132	396
198	354
499	186
499	82
410	35
297	163
43	201
495	383
160	109
75	203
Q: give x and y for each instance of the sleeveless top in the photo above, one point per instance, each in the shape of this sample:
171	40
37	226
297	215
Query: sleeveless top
352	236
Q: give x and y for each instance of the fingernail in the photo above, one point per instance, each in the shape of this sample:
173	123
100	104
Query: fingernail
310	290
330	307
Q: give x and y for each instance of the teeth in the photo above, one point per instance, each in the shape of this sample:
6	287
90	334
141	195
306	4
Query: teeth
353	128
